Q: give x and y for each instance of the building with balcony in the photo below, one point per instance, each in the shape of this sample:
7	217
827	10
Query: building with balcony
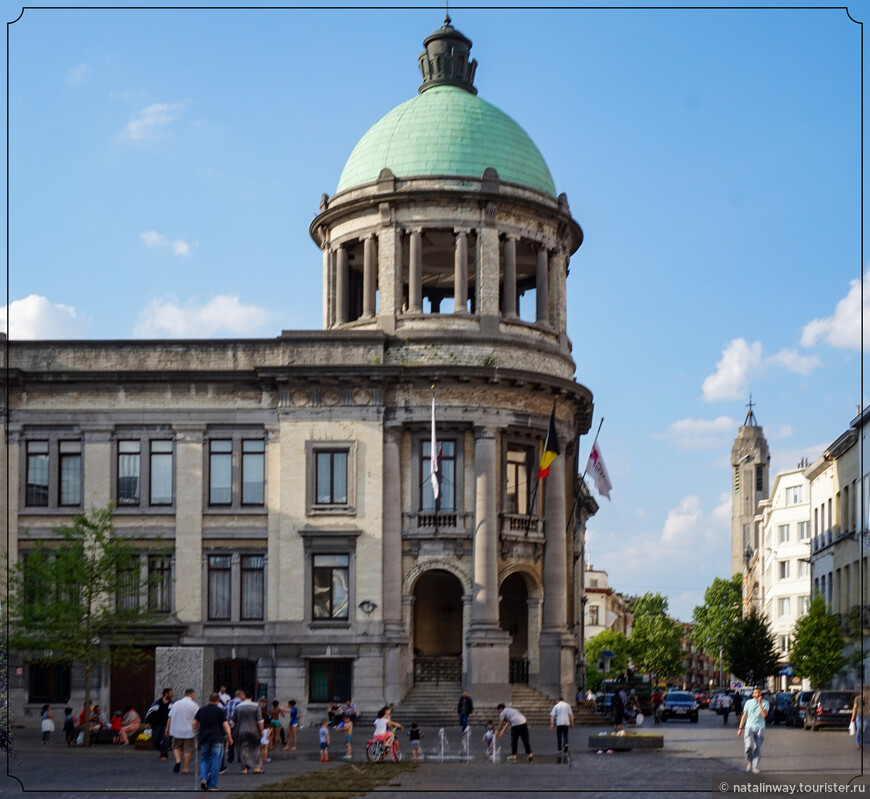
279	489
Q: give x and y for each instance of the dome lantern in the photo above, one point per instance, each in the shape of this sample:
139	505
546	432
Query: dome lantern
446	61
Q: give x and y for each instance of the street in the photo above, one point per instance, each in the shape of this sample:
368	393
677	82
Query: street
693	754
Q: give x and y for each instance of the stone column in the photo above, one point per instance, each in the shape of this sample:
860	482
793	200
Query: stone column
341	278
488	268
460	272
328	287
389	259
542	315
533	604
369	277
509	288
188	522
488	645
392	565
557	643
415	273
558	277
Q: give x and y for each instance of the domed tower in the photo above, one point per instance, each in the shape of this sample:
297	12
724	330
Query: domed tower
447	240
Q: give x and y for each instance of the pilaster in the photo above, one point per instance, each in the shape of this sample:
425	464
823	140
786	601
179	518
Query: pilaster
188	522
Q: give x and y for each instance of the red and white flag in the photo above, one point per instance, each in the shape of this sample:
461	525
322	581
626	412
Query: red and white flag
595	466
433	458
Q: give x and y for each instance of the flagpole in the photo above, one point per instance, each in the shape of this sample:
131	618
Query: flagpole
538	478
582	478
434	455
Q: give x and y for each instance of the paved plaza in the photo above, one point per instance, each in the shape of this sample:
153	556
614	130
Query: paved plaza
693	754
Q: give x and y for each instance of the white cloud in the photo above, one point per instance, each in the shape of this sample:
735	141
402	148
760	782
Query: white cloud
701	433
843	328
680	525
75	76
150	120
154	240
221	315
740	361
35	317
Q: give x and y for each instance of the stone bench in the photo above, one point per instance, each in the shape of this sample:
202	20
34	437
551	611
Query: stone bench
626	743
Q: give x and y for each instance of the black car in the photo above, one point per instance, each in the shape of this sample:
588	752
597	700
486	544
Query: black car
797	707
829	709
679	705
778	706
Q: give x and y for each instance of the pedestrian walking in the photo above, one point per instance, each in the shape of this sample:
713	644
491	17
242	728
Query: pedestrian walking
211	723
464	709
725	707
511	717
180	727
247	733
859	715
753	719
561	719
157	718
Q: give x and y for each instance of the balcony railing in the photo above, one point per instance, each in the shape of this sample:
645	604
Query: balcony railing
425	523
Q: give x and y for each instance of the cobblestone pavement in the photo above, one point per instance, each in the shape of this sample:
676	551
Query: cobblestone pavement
692	756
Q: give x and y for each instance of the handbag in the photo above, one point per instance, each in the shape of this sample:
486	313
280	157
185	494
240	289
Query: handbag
639	720
851	728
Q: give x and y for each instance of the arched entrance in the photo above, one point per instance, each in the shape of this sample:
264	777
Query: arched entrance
437	627
513	618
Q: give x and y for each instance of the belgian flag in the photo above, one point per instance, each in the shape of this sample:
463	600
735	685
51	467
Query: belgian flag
551	447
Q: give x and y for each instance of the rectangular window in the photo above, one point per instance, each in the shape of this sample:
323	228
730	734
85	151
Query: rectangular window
446	476
128	585
784	606
219	587
803	531
253	472
128	472
518	469
783	531
70	468
161	473
36	493
220	472
253	584
331	477
759	479
803	604
794	495
49	683
328	679
784	643
784	569
330	582
593	615
159	583
803	569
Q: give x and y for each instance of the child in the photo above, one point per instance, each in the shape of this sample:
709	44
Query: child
274	724
115	725
324	741
392	726
489	738
47	724
264	751
294	723
69	726
347	724
415	734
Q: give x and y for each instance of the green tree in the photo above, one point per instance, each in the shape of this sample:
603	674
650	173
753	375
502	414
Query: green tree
751	651
74	598
617	643
817	648
716	621
655	645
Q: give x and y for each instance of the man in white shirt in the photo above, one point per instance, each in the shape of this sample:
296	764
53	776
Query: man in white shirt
511	717
180	727
561	718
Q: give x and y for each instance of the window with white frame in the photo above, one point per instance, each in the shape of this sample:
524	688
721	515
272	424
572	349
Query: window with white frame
794	495
236	470
803	568
784	606
784	569
785	643
803	604
803	531
783	533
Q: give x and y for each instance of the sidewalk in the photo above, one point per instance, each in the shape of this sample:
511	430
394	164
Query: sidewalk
692	755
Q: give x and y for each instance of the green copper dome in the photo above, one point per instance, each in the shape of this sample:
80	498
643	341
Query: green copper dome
447	130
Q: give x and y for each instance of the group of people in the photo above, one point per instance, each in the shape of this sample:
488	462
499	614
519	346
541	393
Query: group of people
124	727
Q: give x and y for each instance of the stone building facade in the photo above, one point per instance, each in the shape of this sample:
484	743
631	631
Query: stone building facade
278	489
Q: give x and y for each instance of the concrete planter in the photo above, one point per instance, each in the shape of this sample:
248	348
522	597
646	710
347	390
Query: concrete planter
626	743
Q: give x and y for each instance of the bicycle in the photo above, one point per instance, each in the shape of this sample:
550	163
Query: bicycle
378	751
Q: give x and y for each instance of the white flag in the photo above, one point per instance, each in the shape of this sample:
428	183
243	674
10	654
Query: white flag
598	470
433	458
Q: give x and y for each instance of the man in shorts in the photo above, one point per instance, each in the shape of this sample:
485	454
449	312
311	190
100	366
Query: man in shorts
180	727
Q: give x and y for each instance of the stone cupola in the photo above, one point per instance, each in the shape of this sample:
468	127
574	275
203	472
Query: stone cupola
446	60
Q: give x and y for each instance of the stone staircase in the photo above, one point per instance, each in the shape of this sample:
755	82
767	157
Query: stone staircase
433	705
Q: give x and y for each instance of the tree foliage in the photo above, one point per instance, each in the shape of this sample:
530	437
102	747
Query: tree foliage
751	650
74	598
817	648
655	645
717	619
617	643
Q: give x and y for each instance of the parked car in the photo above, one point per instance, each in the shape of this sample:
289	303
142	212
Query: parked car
701	697
797	708
679	705
779	705
829	709
716	702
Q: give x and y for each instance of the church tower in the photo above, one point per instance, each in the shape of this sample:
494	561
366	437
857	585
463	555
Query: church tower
750	483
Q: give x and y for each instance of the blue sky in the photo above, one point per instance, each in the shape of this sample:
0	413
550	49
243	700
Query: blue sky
164	167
